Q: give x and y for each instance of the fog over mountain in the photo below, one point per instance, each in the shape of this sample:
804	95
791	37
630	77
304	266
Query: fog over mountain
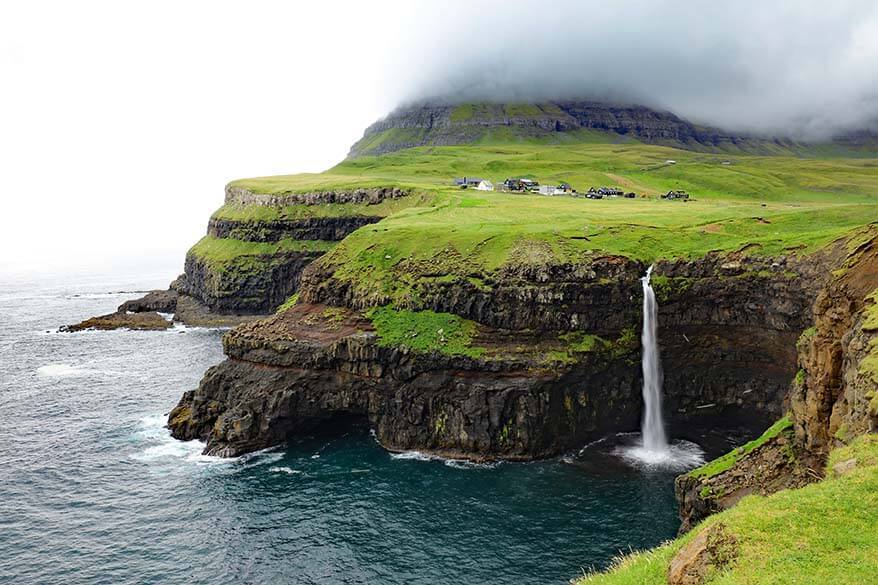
803	69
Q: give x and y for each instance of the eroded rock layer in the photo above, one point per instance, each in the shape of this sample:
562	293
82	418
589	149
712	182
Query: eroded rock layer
831	398
728	326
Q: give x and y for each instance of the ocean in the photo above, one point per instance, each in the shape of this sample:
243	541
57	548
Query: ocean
94	490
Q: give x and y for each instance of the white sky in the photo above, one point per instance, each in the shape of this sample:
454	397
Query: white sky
121	122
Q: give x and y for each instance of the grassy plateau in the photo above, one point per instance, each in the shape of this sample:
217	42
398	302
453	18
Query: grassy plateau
769	204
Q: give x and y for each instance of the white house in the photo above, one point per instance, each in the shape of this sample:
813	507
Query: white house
548	189
485	185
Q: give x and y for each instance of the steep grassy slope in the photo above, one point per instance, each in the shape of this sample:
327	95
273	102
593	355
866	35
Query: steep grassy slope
823	533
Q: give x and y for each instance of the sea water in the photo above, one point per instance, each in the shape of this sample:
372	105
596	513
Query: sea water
94	490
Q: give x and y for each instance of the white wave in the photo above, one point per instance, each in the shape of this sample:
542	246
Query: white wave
67	370
679	456
413	455
59	370
262	457
464	464
160	445
179	327
455	463
287	470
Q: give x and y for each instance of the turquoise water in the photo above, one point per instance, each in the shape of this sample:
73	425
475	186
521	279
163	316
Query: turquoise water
95	491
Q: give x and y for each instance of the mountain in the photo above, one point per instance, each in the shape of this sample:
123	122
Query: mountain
431	124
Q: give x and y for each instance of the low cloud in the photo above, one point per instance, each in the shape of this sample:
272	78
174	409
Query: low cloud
802	69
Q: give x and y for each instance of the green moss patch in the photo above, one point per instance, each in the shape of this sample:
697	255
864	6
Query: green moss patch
424	331
218	252
725	462
871	321
869	364
288	304
668	287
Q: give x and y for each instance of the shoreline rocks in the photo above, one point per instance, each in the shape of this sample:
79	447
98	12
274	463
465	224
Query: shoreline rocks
142	321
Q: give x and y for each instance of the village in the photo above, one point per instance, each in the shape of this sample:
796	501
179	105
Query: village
524	185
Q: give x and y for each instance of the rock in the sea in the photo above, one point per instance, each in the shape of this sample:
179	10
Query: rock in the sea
163	301
150	321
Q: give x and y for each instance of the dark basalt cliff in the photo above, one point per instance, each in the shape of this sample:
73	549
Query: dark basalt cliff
728	330
309	228
247	284
831	399
444	125
299	369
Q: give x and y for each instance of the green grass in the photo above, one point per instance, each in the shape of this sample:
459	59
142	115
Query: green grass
822	533
523	110
725	462
293	212
288	304
309	183
633	166
773	205
217	252
393	136
770	205
462	113
424	331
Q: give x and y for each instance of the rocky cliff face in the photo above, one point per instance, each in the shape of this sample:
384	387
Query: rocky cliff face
727	326
256	283
444	125
831	399
312	365
245	284
308	228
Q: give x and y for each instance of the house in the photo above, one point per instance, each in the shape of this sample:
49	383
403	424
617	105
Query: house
610	192
678	195
465	182
670	162
549	190
530	185
520	185
565	187
630	195
485	185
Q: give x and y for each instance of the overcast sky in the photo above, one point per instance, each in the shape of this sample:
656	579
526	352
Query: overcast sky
120	122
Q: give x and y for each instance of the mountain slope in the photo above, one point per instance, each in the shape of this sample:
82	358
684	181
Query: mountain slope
566	122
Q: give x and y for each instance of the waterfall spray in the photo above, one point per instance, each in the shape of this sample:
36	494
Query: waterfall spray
653	428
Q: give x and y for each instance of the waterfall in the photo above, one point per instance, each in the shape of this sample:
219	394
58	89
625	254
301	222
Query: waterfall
653	428
651	449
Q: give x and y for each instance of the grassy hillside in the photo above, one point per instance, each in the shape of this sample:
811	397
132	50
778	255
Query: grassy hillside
771	205
823	533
